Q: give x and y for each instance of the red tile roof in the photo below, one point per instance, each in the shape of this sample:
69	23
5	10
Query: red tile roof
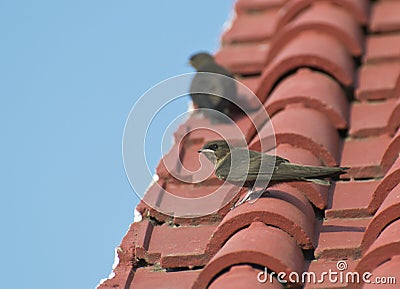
311	89
328	74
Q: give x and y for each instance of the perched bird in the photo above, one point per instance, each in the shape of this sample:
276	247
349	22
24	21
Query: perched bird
207	88
251	168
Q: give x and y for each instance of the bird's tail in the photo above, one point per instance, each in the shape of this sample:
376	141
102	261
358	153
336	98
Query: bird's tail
315	174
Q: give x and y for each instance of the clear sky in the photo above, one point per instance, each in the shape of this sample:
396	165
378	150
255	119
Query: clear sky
70	71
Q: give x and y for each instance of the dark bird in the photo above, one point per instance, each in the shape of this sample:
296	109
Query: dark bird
249	168
207	88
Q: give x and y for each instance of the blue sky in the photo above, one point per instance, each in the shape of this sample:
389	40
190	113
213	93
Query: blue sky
70	71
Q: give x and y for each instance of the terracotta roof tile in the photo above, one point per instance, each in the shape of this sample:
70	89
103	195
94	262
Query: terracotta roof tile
341	238
375	118
362	198
253	27
199	130
385	16
387	213
244	59
171	246
294	196
389	269
252	82
248	246
325	18
291	126
321	267
272	211
326	108
182	160
122	273
154	277
308	49
122	278
378	81
178	163
243	276
366	165
392	152
385	186
358	9
383	249
351	199
316	194
312	89
187	203
248	6
382	48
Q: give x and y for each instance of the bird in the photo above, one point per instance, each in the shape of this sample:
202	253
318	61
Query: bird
207	89
249	168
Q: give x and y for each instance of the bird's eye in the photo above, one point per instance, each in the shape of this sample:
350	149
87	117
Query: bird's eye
214	146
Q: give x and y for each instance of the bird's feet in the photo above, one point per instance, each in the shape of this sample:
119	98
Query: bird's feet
244	199
251	196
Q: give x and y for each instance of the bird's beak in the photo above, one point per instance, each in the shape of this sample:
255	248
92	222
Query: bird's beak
189	63
205	151
209	154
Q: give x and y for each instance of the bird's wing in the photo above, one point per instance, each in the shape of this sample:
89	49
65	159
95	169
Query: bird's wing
279	160
292	172
215	68
229	87
227	170
206	90
264	165
244	165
